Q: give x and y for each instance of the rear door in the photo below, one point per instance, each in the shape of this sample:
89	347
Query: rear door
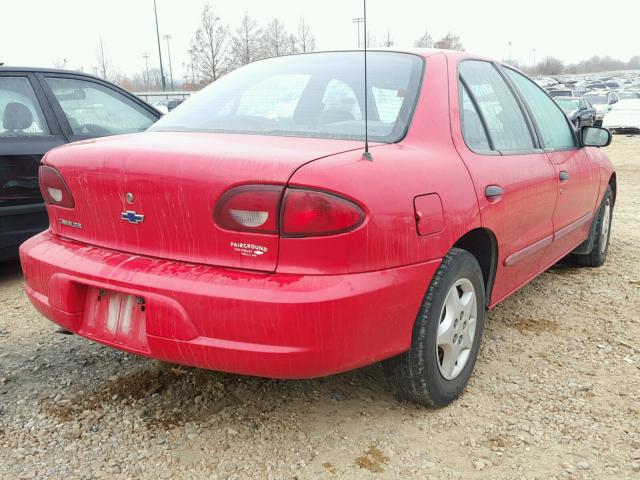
28	129
576	175
87	107
514	180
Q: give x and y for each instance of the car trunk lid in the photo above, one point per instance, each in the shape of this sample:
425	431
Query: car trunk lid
154	193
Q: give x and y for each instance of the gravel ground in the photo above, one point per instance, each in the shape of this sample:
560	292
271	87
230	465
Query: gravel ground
554	395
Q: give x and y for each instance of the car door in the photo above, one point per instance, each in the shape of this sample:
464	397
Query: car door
513	178
28	129
576	174
87	107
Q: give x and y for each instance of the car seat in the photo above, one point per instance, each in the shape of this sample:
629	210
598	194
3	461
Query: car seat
16	118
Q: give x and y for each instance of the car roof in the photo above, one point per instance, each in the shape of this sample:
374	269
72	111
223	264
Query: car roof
8	68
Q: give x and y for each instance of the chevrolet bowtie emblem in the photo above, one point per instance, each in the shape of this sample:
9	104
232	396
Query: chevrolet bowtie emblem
132	217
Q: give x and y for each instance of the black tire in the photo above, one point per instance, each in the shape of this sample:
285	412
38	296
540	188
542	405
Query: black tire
415	375
599	240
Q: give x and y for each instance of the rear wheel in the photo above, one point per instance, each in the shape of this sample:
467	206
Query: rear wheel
446	335
599	236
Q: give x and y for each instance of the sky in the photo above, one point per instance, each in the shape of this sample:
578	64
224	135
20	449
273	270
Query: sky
45	32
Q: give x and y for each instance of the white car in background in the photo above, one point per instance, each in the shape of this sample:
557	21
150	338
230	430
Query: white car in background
602	102
623	116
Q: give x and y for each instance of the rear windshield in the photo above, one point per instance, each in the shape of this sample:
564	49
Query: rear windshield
313	95
568	103
596	99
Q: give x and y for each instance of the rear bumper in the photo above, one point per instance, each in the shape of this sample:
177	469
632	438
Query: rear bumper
264	324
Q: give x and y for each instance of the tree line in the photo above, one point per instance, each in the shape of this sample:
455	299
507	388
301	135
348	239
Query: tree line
216	49
555	66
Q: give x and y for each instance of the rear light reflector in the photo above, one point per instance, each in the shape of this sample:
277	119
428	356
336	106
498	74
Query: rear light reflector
54	189
312	213
250	208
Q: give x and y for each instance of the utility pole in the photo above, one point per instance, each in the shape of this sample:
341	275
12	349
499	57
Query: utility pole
359	21
167	38
509	51
146	56
164	85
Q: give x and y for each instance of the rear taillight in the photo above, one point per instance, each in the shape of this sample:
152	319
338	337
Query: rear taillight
310	213
257	208
250	208
54	189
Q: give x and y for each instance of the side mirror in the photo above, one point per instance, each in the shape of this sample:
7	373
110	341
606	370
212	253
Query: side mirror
595	137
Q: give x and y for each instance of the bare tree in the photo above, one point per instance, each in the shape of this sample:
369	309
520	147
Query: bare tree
549	66
210	46
425	41
105	68
246	45
306	41
449	42
276	40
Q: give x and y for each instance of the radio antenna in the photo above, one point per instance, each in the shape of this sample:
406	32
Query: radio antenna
367	154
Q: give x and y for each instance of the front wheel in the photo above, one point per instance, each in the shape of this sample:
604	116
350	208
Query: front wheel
446	335
599	236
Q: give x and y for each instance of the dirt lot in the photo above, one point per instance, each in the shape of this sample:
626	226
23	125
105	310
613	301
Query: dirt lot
555	395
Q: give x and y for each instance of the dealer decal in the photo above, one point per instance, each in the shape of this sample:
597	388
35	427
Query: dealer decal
248	249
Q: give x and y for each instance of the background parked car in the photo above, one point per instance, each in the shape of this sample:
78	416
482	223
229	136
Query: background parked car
41	109
579	110
165	106
624	116
602	102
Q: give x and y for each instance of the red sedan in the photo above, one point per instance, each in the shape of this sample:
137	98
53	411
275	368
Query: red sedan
247	231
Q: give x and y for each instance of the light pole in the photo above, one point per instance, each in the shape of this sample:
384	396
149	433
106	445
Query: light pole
192	59
167	38
359	21
146	56
164	85
509	51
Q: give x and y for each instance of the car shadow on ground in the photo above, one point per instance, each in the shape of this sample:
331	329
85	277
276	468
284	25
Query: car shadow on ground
10	271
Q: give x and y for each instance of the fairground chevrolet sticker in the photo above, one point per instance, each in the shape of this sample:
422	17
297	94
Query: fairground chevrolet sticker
248	249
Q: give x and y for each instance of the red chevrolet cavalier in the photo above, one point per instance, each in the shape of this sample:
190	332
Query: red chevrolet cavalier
247	231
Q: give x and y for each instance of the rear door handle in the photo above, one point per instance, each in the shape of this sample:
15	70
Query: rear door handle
492	191
564	176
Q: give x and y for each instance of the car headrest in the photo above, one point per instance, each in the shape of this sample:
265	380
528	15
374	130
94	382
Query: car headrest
16	117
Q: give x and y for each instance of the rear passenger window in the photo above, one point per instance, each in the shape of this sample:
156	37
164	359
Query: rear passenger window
504	118
550	119
472	129
20	113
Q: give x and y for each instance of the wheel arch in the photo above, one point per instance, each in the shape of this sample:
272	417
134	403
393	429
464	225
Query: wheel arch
482	244
614	186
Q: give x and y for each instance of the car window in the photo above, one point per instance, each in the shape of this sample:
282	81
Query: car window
340	100
319	95
550	119
95	110
388	103
504	119
20	112
472	128
275	97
